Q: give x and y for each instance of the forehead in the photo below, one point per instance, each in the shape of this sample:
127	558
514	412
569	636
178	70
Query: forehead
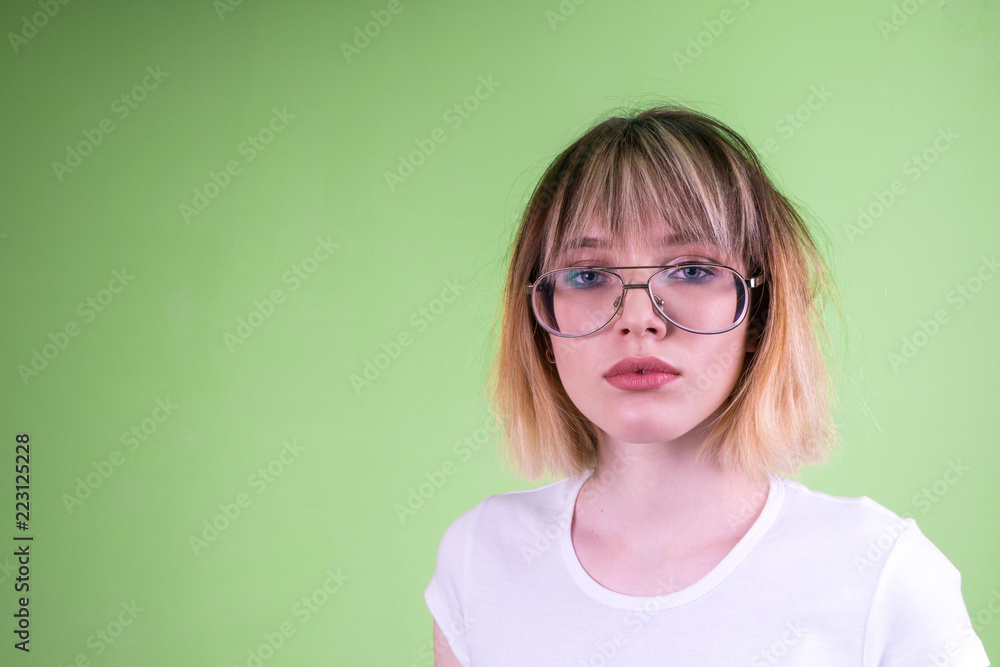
601	240
657	238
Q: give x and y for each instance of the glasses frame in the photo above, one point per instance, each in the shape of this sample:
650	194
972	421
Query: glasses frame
748	283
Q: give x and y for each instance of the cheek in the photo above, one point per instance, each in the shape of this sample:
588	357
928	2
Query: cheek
572	352
575	368
718	368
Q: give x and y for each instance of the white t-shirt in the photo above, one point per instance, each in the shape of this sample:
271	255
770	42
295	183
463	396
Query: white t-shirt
817	580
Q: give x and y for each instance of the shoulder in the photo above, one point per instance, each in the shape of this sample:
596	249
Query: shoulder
854	533
528	502
857	518
519	506
818	501
513	513
883	547
911	591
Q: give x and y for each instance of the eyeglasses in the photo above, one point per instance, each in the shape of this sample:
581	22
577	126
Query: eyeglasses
702	298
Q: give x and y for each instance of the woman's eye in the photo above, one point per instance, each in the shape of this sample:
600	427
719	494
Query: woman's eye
583	278
692	273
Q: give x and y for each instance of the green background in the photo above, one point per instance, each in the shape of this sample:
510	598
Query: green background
891	77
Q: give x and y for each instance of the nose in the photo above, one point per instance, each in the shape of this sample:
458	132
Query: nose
638	314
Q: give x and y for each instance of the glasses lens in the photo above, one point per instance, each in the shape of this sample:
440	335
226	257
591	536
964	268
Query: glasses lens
702	298
576	301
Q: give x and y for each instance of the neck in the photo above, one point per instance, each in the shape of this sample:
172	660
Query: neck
665	489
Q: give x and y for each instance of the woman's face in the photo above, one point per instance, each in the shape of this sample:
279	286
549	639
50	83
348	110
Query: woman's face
702	368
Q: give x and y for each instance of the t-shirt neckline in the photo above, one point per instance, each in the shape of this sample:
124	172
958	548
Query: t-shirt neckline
725	567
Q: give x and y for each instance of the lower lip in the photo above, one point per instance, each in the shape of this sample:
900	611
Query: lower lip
640	381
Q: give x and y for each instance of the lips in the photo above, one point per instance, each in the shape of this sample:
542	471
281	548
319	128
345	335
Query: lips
641	366
641	375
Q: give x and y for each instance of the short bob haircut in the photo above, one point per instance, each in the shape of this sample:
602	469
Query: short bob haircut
626	175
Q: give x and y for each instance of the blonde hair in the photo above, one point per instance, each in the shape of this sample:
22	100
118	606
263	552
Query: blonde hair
626	174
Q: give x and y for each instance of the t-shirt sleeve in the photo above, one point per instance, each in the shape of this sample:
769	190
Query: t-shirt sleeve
917	614
446	595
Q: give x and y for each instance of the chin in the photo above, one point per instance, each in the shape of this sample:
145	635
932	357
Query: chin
639	430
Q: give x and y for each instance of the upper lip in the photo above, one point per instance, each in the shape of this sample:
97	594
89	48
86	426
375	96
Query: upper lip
646	364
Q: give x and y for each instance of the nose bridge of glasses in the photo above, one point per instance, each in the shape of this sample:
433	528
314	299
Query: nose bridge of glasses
635	277
650	298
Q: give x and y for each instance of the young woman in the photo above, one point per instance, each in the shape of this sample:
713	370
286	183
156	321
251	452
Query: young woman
659	348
